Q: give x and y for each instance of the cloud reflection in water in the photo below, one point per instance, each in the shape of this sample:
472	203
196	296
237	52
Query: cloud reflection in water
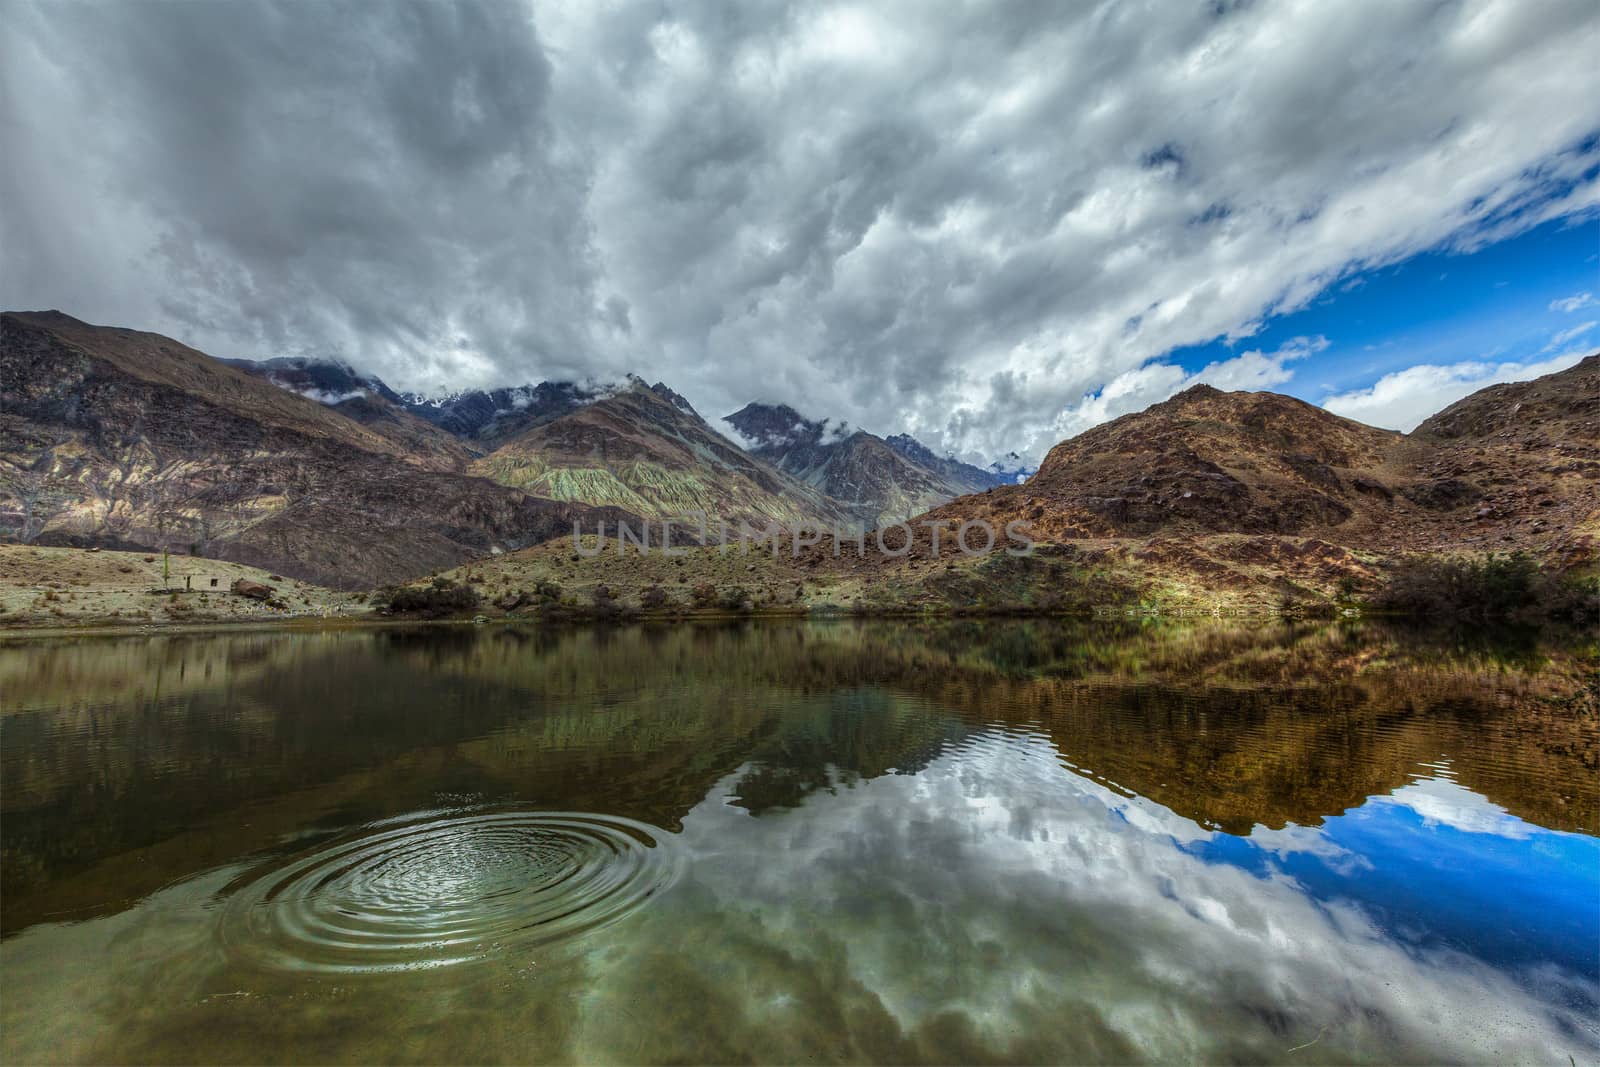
998	906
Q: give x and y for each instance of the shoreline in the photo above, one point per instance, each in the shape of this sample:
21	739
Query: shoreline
111	626
59	592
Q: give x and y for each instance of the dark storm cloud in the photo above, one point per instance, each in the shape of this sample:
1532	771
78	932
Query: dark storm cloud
953	219
370	179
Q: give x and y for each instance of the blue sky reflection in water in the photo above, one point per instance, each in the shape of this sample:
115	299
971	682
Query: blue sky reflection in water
1430	861
787	843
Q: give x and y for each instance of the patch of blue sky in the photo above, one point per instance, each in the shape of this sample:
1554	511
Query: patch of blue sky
1498	303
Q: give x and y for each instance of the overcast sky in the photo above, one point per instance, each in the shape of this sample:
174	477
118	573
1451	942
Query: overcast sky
987	224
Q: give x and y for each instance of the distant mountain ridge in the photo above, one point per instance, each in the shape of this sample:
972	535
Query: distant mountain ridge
638	446
489	418
1011	469
879	480
955	471
647	450
118	438
481	418
839	475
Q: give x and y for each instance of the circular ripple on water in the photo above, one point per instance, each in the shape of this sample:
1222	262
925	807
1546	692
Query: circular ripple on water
448	889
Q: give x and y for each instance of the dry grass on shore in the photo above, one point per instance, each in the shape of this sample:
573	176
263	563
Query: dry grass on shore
42	586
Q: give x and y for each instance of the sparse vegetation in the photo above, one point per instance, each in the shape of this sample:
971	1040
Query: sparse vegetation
440	598
1498	587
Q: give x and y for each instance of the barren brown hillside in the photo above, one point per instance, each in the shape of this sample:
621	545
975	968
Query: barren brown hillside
1512	467
117	438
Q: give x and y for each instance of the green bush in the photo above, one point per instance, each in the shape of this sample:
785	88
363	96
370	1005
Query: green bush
1492	588
603	599
443	597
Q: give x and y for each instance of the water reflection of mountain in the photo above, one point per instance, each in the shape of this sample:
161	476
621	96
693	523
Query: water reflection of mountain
131	762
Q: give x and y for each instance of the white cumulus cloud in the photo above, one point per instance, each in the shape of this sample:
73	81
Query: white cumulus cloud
1137	389
1575	302
1564	336
1401	400
955	220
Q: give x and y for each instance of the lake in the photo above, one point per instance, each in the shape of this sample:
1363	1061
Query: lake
780	842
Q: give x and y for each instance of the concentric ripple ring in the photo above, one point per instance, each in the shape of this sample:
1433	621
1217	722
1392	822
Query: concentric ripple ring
448	888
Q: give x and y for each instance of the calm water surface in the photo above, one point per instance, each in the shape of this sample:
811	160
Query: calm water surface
799	842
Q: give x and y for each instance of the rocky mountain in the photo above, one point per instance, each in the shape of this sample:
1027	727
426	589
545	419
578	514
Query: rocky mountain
367	400
489	418
1523	459
835	475
957	475
118	438
641	447
1514	466
880	481
479	419
1208	461
126	439
327	381
1010	469
647	450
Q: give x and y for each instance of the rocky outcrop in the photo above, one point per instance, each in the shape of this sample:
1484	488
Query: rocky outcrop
254	590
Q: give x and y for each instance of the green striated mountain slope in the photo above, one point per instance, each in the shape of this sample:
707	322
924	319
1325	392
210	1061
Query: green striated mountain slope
646	450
